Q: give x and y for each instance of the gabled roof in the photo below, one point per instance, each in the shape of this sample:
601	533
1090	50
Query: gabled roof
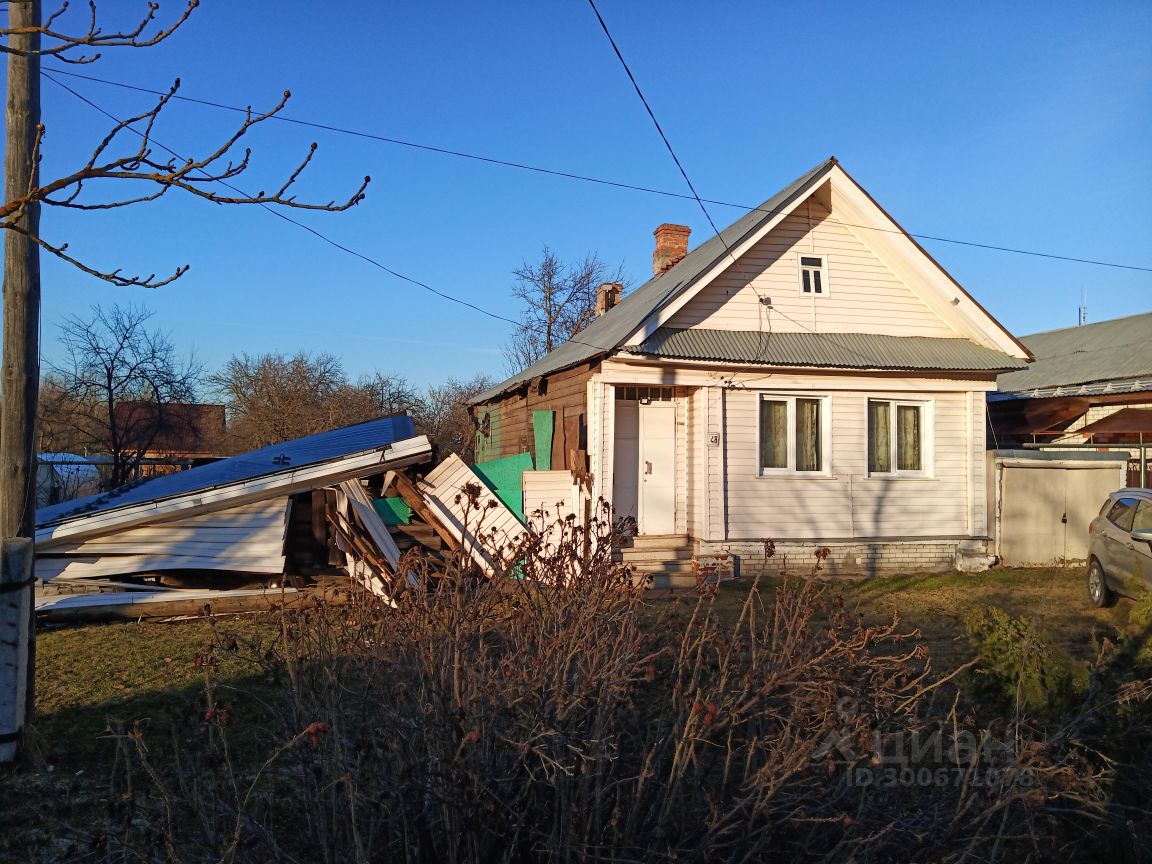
825	350
1117	351
658	298
291	456
614	327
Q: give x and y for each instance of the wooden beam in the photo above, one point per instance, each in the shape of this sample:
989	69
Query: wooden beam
415	499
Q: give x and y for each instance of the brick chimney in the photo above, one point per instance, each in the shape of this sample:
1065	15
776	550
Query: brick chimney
671	246
607	296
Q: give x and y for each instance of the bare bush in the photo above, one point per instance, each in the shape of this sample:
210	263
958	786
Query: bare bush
551	714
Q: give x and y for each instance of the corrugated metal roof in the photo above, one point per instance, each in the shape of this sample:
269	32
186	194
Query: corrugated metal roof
617	324
310	450
1117	350
826	350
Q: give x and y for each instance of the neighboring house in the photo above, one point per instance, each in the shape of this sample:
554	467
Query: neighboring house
810	376
181	432
1090	387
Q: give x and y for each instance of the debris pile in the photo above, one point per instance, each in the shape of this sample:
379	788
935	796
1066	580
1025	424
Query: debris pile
347	503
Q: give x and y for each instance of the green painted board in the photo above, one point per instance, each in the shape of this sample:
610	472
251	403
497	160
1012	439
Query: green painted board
394	511
542	426
488	434
505	477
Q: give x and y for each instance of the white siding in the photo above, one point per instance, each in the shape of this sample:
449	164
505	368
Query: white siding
848	503
696	461
717	485
681	517
863	294
249	538
444	493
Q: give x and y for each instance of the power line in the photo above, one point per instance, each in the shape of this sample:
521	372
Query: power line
362	256
568	175
297	223
659	128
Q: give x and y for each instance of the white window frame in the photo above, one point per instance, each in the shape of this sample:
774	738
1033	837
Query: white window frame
825	434
801	267
927	436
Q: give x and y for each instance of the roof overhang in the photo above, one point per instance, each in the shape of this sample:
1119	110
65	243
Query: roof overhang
826	350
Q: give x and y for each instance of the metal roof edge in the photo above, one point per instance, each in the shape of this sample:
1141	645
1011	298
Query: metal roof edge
406	450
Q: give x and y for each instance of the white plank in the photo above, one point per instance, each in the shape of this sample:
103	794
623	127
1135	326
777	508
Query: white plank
148	598
123	565
487	531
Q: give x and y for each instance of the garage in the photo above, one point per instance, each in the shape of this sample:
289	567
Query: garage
1041	503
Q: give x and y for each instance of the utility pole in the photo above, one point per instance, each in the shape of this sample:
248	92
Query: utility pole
19	376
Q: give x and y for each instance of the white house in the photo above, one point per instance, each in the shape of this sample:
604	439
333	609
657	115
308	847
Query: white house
811	376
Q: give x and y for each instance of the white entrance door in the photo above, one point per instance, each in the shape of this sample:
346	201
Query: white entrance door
625	464
657	468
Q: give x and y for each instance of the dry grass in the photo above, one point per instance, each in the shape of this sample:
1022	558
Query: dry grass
1056	600
92	677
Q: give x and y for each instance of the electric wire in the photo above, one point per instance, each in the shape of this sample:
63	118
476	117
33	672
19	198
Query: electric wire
375	263
320	235
659	128
585	177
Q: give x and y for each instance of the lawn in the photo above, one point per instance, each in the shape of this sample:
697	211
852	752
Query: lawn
91	678
1054	599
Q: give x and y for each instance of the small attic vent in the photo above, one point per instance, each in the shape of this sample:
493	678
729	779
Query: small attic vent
282	459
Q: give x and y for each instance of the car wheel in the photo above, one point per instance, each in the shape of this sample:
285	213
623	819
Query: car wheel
1098	591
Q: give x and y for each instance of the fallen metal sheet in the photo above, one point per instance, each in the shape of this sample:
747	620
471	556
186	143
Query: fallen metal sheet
277	484
476	519
90	567
140	604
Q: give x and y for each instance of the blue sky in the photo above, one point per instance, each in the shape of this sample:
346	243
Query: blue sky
1021	125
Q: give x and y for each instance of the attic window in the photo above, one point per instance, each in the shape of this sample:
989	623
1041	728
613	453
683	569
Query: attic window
813	275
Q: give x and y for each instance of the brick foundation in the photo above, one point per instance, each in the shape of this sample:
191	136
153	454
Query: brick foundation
857	558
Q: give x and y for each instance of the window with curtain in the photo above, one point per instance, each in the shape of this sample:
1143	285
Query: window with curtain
807	434
895	437
791	433
773	433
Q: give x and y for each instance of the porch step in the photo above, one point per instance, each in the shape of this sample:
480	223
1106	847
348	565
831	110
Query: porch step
656	541
661	566
643	556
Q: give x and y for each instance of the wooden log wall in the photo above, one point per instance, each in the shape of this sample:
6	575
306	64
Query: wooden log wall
504	426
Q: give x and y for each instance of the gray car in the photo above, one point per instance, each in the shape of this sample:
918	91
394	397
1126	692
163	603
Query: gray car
1120	547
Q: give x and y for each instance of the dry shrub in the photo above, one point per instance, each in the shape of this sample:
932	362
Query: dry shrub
558	717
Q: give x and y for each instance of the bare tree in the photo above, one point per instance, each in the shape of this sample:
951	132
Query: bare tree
127	152
118	156
121	381
58	418
559	301
274	397
442	414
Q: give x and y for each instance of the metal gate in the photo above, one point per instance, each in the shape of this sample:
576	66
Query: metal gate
1042	504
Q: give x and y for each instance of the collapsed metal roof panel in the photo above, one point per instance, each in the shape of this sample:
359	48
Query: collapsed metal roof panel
282	458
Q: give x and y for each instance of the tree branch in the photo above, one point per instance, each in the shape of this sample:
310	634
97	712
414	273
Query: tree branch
114	276
188	175
93	37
